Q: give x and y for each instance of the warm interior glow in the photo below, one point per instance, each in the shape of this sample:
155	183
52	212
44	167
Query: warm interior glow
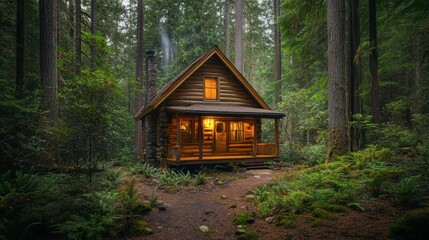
210	88
208	123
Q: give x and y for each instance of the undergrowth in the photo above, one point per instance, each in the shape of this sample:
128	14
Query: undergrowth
54	206
351	181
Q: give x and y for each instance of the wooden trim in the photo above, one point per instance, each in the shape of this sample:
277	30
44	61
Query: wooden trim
178	138
217	88
255	138
276	136
200	138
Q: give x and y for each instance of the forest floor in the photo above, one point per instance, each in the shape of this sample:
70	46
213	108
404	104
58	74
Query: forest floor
216	203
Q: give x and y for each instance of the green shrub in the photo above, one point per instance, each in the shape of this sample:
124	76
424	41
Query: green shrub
409	191
321	213
395	137
313	154
94	226
146	169
200	178
113	178
248	235
297	200
173	178
345	181
412	226
241	218
287	220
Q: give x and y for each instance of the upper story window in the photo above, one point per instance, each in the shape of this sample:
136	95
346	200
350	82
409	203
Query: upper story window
210	88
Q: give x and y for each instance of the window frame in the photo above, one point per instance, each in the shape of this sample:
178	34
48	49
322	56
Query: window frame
239	135
217	88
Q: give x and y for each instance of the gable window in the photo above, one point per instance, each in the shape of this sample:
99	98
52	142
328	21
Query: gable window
210	88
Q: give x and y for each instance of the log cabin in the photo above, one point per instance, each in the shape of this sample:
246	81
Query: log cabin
207	113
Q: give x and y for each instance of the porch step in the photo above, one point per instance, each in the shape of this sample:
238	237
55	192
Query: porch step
256	165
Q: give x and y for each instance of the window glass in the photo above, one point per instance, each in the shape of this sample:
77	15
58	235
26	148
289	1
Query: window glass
210	88
236	129
185	131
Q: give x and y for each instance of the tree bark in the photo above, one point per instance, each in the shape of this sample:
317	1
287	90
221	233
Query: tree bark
71	18
338	143
20	46
355	74
139	75
417	106
78	39
278	55
94	33
48	12
373	61
227	30
239	35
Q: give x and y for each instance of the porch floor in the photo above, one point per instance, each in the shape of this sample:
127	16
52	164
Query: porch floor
220	159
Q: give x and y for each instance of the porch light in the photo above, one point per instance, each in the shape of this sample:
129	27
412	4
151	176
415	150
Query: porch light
208	123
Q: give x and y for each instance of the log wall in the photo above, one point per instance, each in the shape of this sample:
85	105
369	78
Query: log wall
230	90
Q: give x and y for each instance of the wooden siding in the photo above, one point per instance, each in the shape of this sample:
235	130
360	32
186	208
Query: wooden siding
230	90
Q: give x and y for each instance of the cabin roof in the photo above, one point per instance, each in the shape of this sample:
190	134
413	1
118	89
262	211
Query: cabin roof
225	110
181	77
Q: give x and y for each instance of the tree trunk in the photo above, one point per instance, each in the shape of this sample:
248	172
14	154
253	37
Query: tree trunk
417	106
20	46
239	35
373	61
78	39
93	32
139	75
337	110
278	55
71	19
48	10
355	74
227	30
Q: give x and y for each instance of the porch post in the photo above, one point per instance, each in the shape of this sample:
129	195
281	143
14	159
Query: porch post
178	139
276	136
200	138
255	138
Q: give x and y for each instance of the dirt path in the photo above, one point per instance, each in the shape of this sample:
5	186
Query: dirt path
187	211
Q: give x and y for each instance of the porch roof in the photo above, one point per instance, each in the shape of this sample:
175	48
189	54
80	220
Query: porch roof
225	110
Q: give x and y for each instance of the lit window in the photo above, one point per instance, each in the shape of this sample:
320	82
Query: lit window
236	131
210	88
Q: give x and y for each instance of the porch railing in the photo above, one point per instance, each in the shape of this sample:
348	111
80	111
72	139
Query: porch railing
266	149
173	152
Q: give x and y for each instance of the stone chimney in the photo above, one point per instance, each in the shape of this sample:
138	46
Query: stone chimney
150	77
149	121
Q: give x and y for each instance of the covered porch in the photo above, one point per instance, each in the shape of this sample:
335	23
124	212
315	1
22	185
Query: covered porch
227	134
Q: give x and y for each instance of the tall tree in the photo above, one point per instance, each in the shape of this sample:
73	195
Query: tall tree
71	18
277	50
354	73
139	75
78	38
93	32
373	61
338	142
227	29
238	46
20	45
48	11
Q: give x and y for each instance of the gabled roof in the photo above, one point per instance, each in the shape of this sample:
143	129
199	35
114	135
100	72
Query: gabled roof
181	77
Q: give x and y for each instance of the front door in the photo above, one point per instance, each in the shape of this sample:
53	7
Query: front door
220	133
